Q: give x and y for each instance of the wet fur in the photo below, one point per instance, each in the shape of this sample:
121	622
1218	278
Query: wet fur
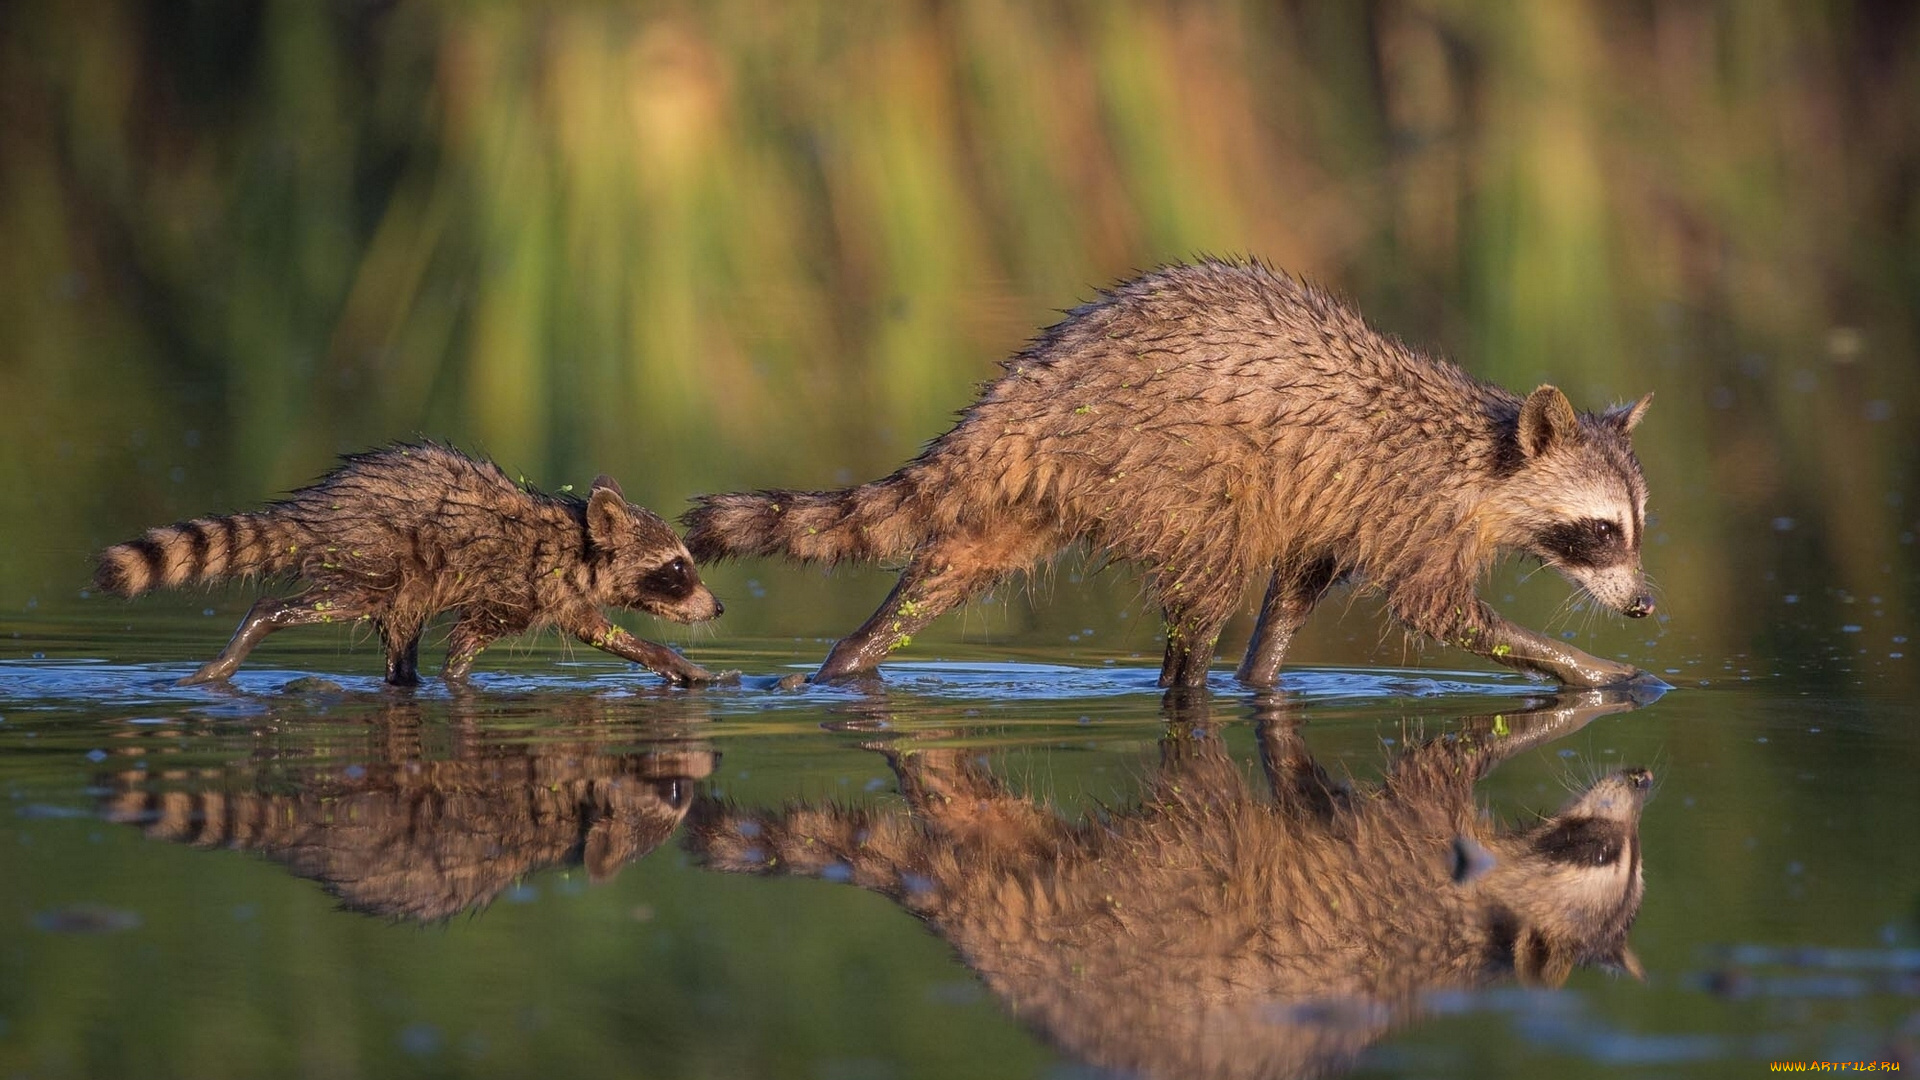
398	535
1220	424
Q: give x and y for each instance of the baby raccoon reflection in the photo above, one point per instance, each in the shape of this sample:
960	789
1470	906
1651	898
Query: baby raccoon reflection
1208	931
423	830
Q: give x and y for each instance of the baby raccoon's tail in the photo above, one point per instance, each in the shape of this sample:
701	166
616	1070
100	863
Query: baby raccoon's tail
866	523
206	549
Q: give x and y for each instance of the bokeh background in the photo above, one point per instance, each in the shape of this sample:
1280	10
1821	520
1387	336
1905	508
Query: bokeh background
714	245
733	244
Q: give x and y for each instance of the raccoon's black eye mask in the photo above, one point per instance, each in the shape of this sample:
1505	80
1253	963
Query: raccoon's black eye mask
1587	542
675	579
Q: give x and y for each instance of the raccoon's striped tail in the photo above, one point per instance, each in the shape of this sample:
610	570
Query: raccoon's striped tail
206	549
869	522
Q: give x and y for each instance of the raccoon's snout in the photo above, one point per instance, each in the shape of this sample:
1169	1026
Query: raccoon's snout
701	606
1640	777
697	606
1639	607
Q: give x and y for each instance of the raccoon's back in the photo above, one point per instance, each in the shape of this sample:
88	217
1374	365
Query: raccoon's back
403	512
428	517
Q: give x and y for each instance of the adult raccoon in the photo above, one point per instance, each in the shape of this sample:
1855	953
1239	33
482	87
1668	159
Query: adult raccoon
395	536
1220	421
1208	931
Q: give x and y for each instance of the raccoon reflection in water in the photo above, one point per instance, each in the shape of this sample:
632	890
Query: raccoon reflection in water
423	831
1212	932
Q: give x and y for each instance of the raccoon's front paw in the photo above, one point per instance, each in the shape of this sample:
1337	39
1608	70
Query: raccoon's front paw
729	677
1592	673
1640	685
1644	687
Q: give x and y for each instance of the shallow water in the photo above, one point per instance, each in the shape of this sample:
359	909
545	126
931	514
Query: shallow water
309	873
718	246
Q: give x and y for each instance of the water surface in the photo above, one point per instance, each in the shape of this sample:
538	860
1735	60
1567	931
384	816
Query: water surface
309	873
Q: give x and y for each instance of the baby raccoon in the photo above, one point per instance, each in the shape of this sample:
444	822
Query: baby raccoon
398	535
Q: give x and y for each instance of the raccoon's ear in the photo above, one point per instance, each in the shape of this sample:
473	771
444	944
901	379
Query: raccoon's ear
609	483
1625	417
1546	420
607	517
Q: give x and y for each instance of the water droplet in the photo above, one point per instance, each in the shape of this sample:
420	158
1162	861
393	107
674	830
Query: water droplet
419	1039
86	919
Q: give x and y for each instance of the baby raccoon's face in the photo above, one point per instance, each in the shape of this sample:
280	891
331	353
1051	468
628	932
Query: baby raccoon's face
672	589
641	562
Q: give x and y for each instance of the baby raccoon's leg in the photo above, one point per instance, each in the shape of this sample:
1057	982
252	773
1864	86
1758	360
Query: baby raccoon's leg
267	615
932	584
470	635
598	631
1290	599
403	652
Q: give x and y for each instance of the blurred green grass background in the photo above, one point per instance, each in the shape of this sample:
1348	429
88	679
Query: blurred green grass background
713	246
